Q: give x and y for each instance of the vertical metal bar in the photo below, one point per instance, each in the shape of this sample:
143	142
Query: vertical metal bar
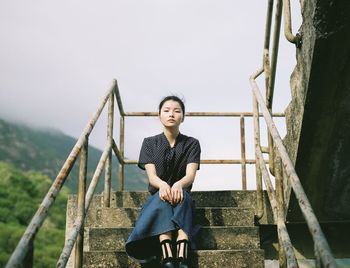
108	168
275	44
244	169
271	153
271	84
259	190
266	56
121	165
268	24
288	25
280	208
78	263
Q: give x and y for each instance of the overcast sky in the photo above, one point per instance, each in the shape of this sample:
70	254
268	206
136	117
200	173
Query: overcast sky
57	59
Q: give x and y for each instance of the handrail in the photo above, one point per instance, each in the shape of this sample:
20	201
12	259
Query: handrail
204	114
22	248
66	252
321	246
206	161
295	39
76	234
281	226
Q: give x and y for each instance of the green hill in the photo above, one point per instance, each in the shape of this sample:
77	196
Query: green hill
20	194
46	151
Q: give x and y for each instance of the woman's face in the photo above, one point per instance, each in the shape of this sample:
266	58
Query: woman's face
171	114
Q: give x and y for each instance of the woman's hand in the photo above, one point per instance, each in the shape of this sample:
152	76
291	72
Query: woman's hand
165	192
177	193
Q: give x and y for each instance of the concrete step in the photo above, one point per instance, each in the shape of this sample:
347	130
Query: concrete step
202	199
126	217
197	259
208	238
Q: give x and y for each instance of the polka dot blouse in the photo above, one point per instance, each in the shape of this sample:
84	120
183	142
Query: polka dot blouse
170	162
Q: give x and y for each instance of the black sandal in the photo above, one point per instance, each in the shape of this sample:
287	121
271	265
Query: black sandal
168	259
182	247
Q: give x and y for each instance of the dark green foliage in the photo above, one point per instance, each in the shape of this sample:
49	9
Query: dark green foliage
29	160
47	150
20	195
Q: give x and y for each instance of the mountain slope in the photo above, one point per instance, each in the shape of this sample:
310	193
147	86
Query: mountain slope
20	194
46	151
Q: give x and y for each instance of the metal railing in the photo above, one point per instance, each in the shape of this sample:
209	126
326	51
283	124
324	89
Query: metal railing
279	160
75	237
242	161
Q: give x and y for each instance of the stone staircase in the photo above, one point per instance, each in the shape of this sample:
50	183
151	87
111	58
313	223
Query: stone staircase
228	237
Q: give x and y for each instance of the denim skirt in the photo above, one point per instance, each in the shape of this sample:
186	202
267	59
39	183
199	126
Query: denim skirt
158	217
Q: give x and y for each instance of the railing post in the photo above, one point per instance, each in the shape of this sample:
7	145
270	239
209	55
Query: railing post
78	263
259	190
244	169
108	168
121	165
280	207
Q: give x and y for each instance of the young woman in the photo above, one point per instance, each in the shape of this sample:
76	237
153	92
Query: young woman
171	160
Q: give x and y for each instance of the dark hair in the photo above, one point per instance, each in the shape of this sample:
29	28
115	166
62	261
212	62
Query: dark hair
173	98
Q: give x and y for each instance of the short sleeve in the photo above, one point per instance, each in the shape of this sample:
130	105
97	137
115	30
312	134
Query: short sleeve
146	154
195	153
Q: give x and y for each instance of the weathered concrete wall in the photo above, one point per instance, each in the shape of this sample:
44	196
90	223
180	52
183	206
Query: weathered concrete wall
318	118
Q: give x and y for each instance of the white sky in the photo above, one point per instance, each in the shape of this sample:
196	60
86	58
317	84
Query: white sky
57	59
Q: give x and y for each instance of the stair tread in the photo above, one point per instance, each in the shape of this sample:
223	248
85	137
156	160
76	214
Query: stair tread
206	216
209	237
199	258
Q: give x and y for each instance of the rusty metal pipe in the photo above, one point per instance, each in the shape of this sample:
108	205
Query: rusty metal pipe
21	250
243	158
268	24
259	189
311	220
121	164
118	155
78	262
108	170
202	114
205	161
288	33
275	44
281	227
78	223
266	54
119	99
272	74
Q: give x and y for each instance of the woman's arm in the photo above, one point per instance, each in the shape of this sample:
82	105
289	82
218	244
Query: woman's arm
155	181
187	180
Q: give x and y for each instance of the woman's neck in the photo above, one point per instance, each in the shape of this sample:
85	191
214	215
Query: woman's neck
171	135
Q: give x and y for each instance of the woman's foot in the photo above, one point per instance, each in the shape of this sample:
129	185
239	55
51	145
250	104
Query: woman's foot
168	259
182	253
